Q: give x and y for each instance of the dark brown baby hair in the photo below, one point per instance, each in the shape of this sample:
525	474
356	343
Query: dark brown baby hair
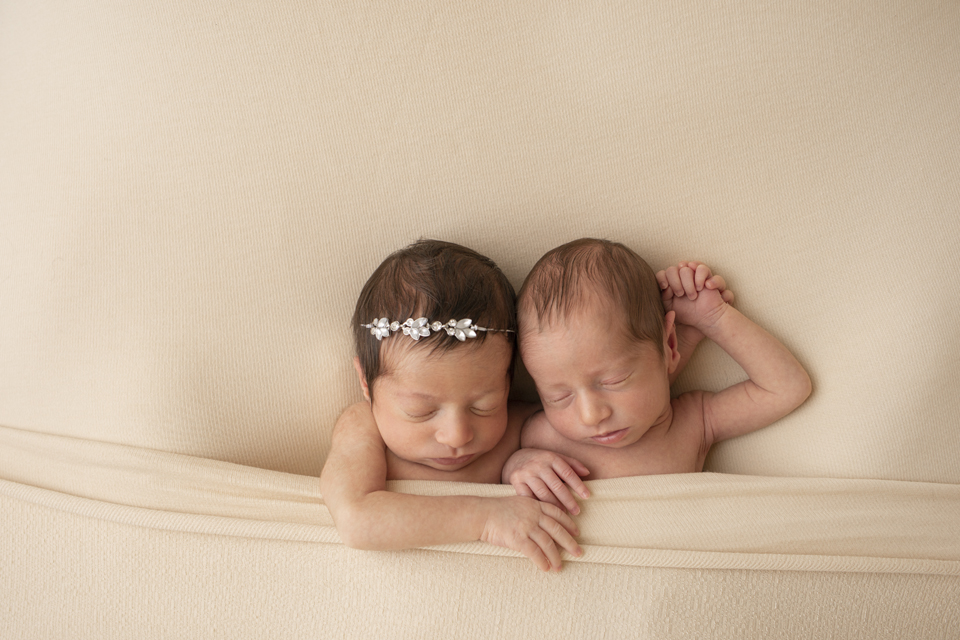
439	281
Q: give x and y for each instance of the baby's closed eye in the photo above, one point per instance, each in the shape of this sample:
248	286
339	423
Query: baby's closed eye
619	380
419	416
557	398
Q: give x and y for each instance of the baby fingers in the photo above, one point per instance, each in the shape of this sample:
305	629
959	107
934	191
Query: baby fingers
553	493
716	282
533	549
570	470
560	528
524	490
719	284
702	275
688	281
672	276
548	548
538	530
665	289
543	543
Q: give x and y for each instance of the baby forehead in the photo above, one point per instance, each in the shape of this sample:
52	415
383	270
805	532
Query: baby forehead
465	370
591	336
588	310
401	355
578	341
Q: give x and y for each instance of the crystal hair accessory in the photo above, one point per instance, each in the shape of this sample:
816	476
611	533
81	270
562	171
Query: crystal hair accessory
421	328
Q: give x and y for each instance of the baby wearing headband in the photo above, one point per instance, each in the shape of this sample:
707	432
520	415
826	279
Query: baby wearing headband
604	337
435	334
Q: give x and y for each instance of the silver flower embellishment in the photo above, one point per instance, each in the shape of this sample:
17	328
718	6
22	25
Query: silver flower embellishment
416	328
461	329
421	328
380	327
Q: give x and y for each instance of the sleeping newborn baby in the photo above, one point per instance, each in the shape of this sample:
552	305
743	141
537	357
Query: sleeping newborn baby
603	338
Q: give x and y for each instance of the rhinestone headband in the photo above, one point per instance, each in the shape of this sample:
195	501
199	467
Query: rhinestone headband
421	328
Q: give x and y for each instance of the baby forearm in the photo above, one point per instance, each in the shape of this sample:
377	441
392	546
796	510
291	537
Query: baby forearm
384	520
769	364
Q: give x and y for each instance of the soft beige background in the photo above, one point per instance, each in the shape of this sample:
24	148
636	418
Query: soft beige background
193	193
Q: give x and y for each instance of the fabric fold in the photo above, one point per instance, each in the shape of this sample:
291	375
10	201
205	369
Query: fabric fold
679	521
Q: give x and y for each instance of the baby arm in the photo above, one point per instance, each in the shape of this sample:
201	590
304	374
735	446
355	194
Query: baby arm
545	475
777	382
687	280
353	484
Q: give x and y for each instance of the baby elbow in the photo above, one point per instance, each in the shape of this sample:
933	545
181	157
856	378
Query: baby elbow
803	387
352	531
349	538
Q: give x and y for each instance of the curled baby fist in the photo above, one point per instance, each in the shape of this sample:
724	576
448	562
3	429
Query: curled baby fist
547	476
536	529
688	279
688	289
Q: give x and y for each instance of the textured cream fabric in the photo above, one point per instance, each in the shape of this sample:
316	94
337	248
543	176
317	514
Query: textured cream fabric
101	579
691	520
192	194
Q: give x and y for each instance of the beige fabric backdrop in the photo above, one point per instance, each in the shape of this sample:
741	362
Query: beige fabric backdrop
192	193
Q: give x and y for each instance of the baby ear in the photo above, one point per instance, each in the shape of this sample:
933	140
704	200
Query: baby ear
363	378
671	350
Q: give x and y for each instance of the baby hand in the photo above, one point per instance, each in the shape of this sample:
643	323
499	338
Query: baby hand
547	476
531	527
686	289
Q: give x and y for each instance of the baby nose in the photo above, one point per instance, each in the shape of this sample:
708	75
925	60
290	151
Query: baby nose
593	410
456	433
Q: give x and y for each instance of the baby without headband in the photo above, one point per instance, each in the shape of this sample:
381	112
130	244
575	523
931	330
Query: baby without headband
421	328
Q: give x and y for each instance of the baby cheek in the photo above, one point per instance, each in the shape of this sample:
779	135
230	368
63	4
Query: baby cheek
496	426
562	419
